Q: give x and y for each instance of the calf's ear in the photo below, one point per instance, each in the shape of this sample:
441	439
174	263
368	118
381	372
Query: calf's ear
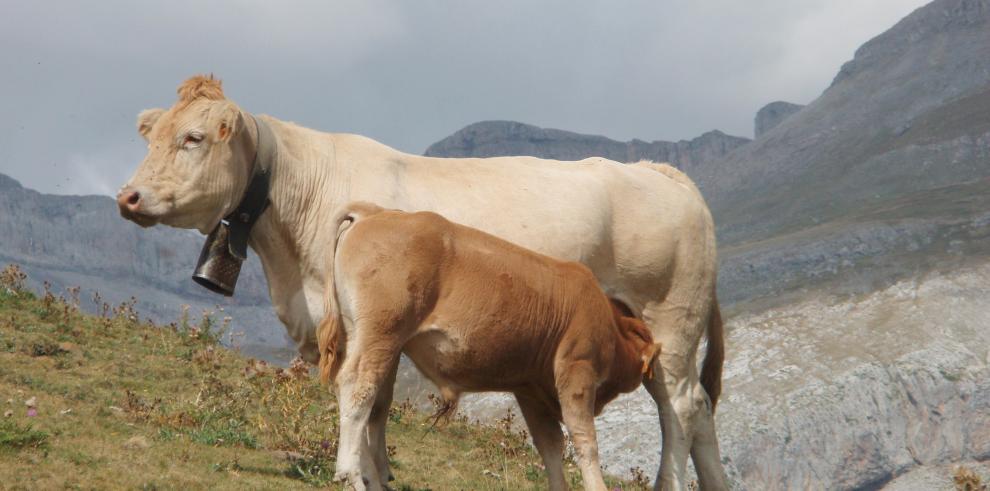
147	119
650	355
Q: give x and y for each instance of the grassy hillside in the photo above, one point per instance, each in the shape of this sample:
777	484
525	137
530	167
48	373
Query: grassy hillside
109	401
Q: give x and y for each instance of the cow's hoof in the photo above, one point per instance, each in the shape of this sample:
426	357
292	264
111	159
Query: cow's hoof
351	480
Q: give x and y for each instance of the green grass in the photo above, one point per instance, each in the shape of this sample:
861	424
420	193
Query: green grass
203	416
13	436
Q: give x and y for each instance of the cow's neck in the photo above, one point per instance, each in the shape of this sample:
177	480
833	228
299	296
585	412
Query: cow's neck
290	237
303	192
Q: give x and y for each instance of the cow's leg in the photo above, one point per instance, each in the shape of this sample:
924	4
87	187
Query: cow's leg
576	391
705	453
686	418
365	369
547	437
676	445
376	425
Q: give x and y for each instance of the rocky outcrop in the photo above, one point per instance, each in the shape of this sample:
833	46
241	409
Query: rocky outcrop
927	24
861	252
771	115
497	138
863	388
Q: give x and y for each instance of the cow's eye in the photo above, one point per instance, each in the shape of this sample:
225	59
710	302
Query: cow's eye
192	139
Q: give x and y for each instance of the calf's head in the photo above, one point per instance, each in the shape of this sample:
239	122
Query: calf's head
636	341
198	160
635	357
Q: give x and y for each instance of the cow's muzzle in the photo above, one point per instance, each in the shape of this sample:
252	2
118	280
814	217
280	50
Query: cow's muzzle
131	206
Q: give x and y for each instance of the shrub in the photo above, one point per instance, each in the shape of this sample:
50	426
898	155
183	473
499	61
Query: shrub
12	281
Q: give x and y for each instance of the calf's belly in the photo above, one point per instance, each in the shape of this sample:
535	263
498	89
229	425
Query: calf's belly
479	363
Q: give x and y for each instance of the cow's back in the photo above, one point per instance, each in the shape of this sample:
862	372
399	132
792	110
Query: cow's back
629	223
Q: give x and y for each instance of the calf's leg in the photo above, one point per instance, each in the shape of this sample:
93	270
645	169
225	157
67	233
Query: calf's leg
576	384
353	460
376	425
547	437
365	370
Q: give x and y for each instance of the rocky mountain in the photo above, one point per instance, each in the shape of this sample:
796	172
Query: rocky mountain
773	114
908	114
82	241
492	138
855	246
870	385
878	179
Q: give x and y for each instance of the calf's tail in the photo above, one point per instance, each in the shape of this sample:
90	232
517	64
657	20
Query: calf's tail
330	335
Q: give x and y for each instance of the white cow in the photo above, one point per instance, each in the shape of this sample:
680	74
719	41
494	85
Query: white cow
643	229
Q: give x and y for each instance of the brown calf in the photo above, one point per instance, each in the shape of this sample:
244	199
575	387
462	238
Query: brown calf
474	313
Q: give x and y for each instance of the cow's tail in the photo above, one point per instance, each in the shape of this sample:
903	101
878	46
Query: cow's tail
330	335
711	368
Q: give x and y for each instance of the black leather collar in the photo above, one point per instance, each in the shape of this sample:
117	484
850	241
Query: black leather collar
256	197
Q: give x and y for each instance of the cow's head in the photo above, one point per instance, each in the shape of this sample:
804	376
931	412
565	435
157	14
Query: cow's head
198	160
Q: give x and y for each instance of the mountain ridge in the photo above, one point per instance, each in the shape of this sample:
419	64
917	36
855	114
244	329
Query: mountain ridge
493	138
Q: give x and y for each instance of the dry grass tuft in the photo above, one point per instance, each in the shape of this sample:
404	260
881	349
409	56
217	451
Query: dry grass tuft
967	480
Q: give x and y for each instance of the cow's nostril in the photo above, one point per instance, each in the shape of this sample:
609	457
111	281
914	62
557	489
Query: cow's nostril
129	201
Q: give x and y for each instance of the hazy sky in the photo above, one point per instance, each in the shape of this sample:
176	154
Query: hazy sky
74	75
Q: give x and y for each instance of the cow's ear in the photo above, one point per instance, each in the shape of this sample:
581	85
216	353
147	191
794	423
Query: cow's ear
228	120
146	120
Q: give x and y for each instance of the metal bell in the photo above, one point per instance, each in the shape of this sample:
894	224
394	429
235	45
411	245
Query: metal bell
217	269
